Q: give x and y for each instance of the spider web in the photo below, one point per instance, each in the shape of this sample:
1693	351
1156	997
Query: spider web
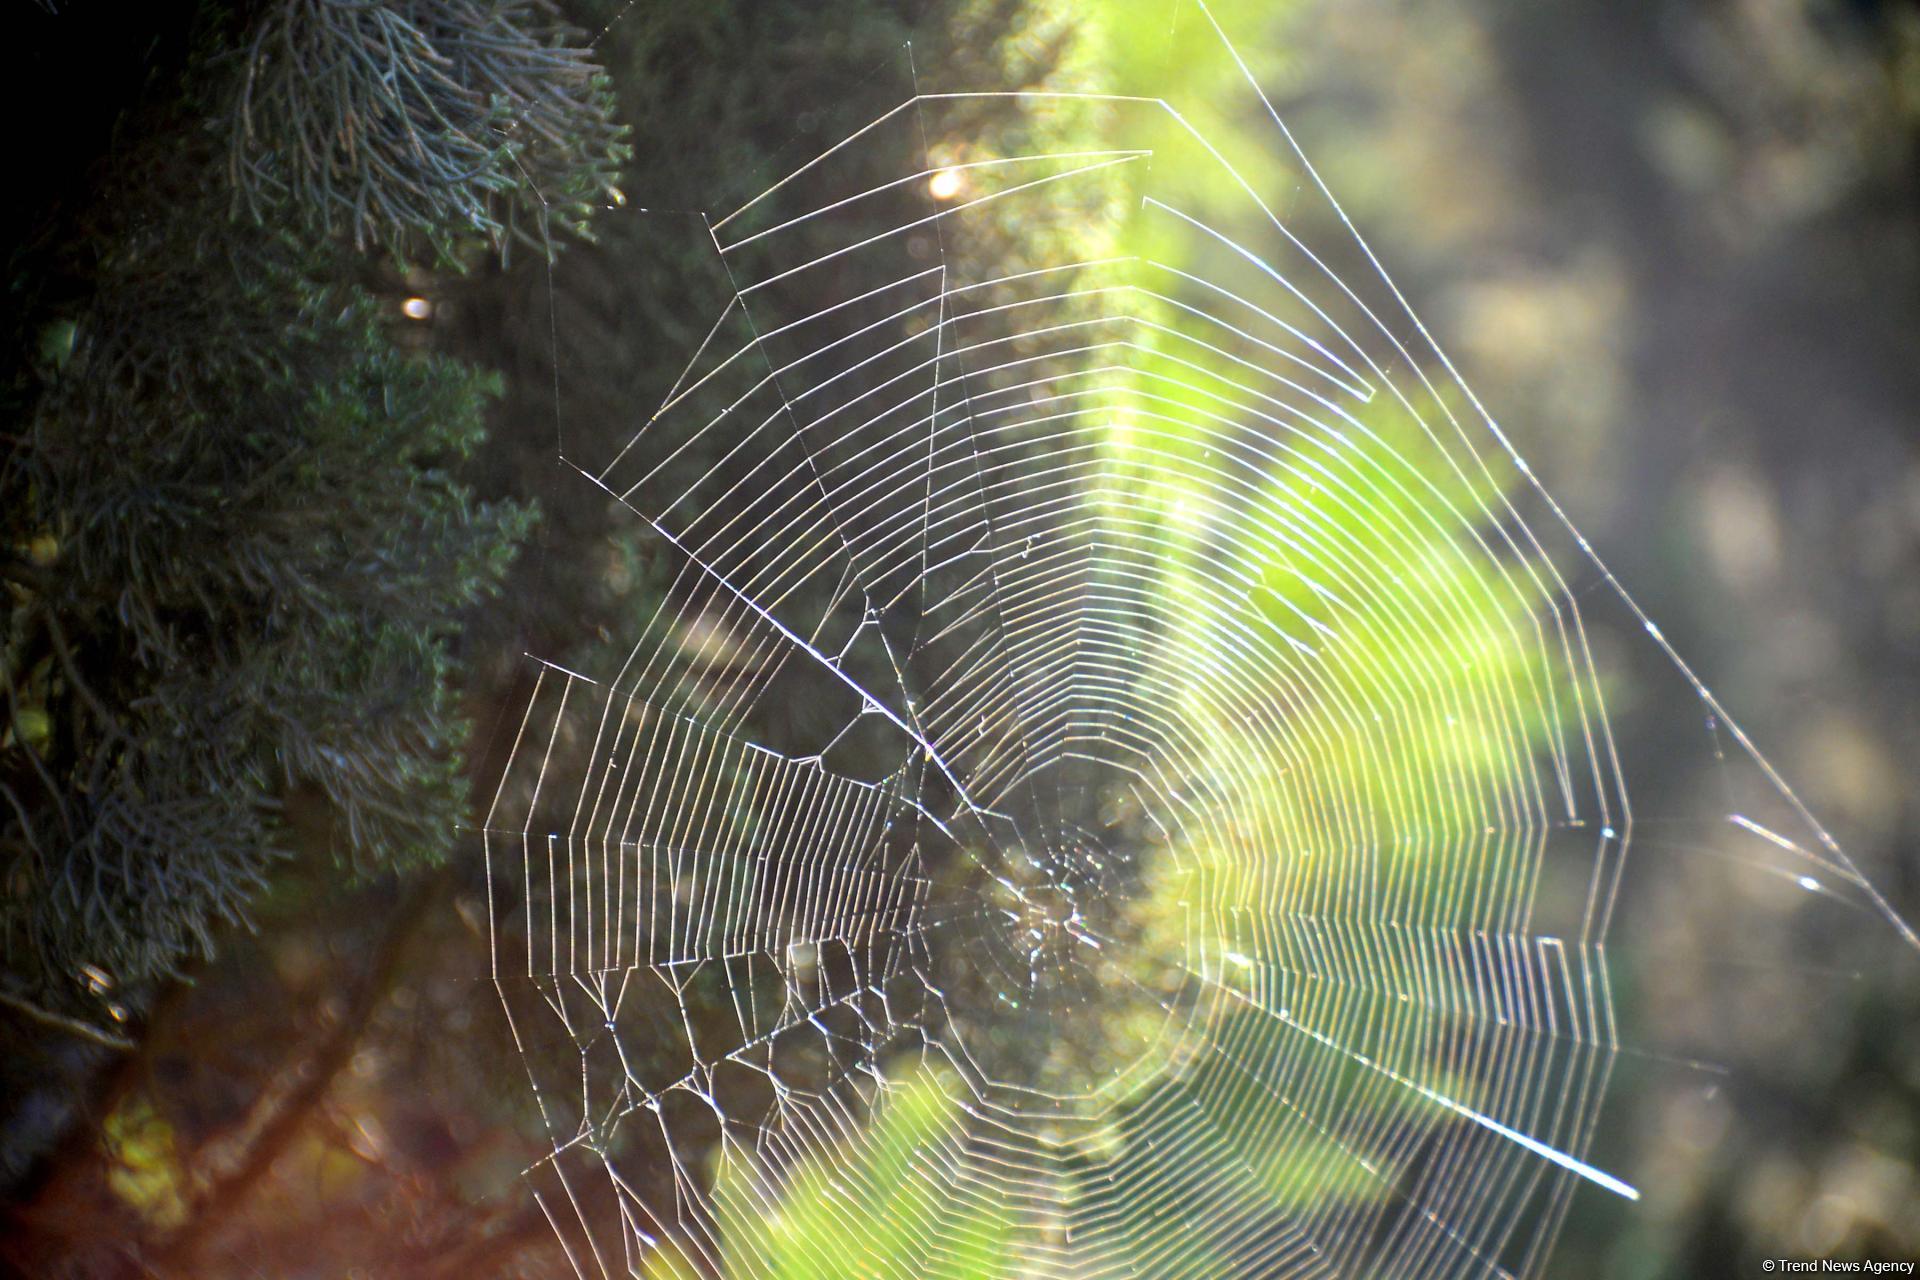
1115	778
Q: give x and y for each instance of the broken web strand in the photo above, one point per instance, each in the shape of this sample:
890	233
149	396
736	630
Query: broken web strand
751	598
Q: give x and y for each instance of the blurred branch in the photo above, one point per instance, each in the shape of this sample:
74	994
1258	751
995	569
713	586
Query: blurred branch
278	1114
61	1022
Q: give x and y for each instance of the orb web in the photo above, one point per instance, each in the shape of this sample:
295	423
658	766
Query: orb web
1113	778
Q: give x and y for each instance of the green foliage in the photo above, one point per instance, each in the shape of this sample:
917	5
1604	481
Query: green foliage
236	542
145	1175
256	556
872	1206
422	120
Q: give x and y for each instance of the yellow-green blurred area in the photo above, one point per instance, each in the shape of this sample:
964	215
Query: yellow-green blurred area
1674	248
